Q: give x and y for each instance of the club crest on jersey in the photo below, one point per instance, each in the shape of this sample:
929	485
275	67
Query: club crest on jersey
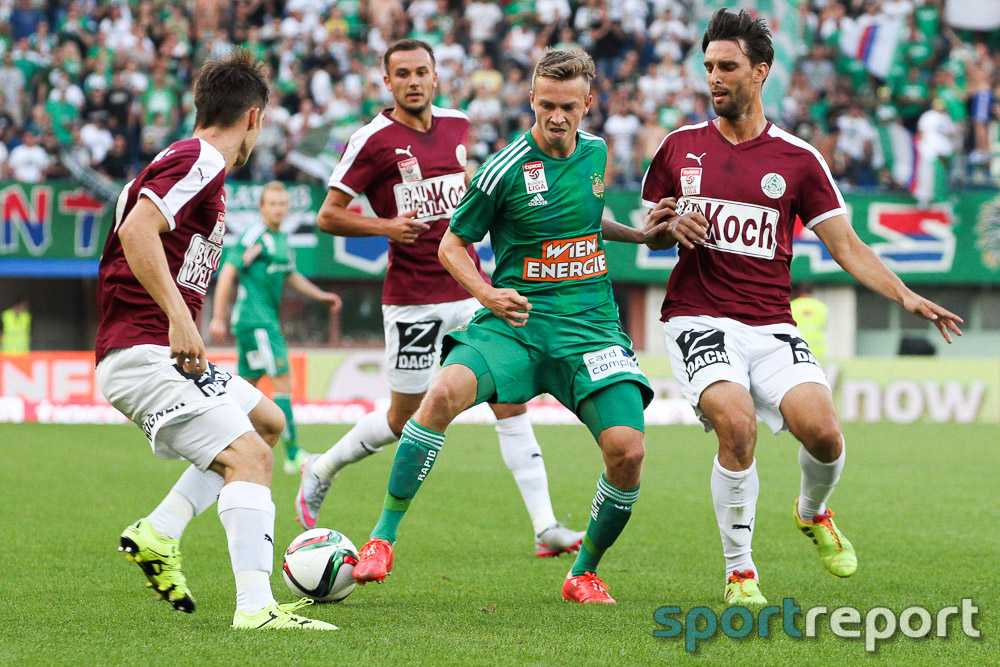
534	177
597	185
461	154
691	181
773	185
220	229
409	169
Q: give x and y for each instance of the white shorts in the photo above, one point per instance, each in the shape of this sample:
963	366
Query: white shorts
413	336
184	416
767	360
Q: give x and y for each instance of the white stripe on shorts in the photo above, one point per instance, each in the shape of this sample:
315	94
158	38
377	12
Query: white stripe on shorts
266	353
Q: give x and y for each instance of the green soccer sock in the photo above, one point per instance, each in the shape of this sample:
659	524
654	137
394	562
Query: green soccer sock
415	455
284	401
609	513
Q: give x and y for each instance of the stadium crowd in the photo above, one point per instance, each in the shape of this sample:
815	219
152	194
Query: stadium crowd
109	83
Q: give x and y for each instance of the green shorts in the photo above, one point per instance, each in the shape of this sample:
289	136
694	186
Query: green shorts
568	358
261	352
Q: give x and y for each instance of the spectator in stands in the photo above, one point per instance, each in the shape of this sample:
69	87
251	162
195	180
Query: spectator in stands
117	164
28	162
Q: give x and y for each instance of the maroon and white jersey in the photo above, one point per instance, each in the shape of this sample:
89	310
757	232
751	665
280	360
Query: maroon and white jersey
185	182
401	169
750	193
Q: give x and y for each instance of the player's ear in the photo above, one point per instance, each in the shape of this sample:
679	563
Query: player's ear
586	105
760	72
254	117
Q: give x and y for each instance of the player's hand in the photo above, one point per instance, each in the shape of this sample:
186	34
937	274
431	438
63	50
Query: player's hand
331	300
655	233
509	306
688	229
404	229
217	329
252	253
946	321
186	346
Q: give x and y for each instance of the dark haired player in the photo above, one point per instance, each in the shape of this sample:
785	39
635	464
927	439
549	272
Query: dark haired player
157	262
740	183
410	161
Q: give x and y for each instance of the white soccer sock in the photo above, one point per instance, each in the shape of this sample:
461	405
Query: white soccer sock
247	514
523	457
818	482
366	438
193	493
734	495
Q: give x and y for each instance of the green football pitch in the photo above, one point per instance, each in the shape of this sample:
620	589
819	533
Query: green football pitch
920	503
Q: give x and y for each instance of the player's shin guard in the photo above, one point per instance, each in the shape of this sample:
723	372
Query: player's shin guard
818	482
418	449
523	458
366	438
289	435
734	494
610	511
247	514
191	495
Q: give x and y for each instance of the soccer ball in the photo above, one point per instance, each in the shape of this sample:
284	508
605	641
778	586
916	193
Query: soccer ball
319	564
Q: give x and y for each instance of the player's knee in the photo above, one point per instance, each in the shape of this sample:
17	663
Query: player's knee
737	431
270	425
623	448
822	438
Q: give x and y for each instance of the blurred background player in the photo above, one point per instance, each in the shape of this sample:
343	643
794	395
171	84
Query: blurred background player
263	263
158	259
410	161
550	324
16	323
810	316
733	345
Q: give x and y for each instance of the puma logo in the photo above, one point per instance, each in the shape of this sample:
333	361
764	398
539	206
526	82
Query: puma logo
692	156
406	151
268	538
737	526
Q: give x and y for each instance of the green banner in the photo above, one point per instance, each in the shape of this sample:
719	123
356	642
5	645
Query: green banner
59	230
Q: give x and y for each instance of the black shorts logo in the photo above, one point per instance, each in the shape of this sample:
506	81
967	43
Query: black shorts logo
702	348
801	354
416	344
212	382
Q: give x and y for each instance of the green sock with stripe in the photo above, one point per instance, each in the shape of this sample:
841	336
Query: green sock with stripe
415	455
610	511
284	401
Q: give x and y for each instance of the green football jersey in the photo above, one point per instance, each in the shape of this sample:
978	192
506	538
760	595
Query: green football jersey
543	215
260	282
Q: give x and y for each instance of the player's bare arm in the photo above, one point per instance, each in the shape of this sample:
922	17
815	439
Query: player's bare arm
664	228
306	287
220	306
506	304
865	266
616	231
335	218
140	239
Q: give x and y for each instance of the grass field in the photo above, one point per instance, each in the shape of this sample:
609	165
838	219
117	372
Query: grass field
919	502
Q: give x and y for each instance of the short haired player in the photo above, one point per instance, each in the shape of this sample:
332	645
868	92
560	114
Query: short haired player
160	254
410	161
550	323
729	192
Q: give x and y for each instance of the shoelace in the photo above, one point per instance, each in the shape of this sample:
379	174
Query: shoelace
595	582
825	521
370	549
741	575
295	606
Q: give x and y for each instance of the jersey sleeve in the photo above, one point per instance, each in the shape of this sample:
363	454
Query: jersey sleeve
356	170
820	198
474	215
657	182
183	177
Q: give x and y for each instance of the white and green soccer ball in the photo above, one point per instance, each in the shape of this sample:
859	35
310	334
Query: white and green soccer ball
319	564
